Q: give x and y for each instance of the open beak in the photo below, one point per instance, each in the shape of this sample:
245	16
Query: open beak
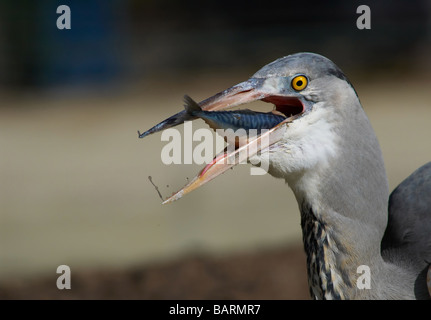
242	93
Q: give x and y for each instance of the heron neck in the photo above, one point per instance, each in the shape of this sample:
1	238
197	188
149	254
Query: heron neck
336	260
329	277
342	231
339	235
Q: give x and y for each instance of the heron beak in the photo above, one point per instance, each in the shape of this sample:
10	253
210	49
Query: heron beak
242	93
226	160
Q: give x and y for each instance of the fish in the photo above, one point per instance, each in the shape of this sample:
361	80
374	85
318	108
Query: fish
231	122
239	119
182	116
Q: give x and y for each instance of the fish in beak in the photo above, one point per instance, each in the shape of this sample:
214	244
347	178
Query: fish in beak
235	126
275	90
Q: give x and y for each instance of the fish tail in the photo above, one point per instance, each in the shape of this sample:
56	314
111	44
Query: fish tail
191	112
191	106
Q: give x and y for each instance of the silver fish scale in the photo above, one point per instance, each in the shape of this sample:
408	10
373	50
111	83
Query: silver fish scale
245	119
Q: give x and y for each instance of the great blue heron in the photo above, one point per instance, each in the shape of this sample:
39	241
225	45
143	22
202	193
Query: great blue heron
327	152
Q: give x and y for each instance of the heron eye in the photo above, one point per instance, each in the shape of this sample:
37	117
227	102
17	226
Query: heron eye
299	83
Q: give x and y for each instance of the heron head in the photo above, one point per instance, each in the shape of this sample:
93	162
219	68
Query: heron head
307	88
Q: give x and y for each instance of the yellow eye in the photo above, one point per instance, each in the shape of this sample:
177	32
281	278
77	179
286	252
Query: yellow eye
299	83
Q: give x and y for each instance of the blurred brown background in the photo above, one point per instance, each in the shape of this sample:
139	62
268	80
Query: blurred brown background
74	186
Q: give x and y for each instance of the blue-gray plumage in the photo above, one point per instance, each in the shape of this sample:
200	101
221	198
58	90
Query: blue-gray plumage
408	234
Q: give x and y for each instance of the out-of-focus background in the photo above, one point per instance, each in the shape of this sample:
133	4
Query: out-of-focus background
74	186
